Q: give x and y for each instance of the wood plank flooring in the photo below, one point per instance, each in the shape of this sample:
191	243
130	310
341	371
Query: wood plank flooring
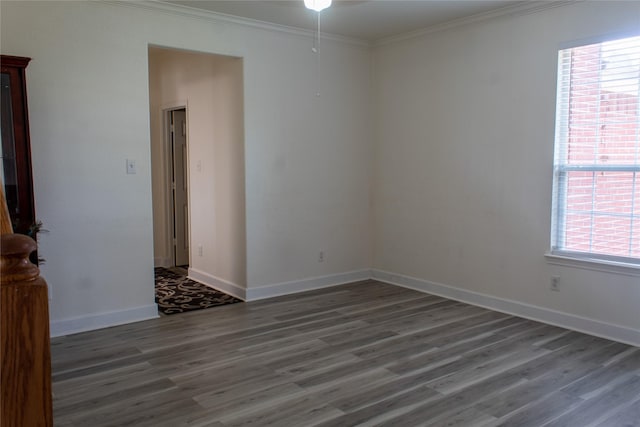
365	354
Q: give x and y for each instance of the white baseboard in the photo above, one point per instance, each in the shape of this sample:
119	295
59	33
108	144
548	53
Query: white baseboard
309	284
570	321
217	283
102	320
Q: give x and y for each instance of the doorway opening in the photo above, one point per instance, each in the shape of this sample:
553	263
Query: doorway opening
197	168
176	121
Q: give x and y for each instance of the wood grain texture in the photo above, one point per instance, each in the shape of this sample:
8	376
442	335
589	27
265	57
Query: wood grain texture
5	219
24	335
363	354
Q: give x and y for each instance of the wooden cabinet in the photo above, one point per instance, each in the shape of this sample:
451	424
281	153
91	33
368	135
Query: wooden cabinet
16	148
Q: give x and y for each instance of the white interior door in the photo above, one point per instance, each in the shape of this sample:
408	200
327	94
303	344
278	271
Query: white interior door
179	186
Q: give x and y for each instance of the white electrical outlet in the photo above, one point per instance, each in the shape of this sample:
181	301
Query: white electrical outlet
555	283
200	250
321	256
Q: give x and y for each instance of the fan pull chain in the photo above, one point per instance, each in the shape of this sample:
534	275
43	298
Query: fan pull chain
316	50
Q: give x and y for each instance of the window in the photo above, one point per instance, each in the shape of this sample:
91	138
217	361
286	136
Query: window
596	193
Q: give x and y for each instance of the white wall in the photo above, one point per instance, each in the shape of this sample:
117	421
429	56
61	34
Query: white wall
211	87
461	165
307	173
463	173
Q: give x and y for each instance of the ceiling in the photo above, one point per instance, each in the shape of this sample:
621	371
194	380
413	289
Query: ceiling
365	20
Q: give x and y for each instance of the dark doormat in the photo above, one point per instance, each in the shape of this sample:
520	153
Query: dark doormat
176	293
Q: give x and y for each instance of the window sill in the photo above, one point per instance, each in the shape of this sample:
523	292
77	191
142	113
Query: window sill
594	264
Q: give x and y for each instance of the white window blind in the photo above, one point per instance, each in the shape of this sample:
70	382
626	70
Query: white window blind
596	200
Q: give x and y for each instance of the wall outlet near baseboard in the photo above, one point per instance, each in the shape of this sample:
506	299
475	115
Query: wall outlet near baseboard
321	256
555	283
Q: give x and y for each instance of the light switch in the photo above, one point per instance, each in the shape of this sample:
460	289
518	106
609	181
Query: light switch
131	167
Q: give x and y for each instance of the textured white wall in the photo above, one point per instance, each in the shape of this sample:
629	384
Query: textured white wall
464	133
306	158
211	87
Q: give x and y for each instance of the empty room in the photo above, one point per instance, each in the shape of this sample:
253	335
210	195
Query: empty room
410	213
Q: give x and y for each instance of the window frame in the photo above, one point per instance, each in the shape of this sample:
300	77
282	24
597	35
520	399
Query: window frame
557	253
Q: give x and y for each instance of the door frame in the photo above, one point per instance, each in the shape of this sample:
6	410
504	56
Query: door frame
168	167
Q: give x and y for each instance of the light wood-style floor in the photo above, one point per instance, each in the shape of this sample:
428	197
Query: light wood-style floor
360	354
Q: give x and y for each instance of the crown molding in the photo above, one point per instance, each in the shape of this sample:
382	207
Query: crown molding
222	18
513	10
526	8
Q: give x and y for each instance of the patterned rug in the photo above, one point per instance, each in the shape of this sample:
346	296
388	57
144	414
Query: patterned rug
176	293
